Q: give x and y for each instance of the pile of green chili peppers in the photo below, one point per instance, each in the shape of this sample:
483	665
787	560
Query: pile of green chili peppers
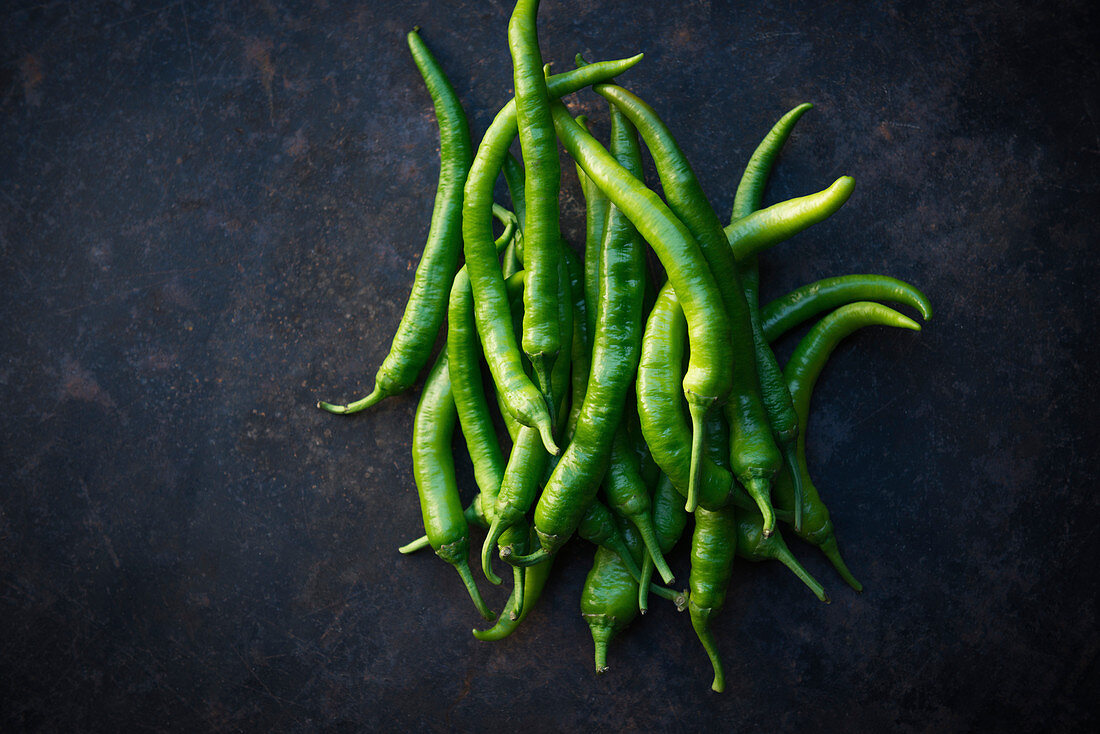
715	433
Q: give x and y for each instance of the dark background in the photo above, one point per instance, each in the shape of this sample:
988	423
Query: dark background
210	214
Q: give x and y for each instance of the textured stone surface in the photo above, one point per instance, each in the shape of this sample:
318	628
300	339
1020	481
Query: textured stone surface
209	218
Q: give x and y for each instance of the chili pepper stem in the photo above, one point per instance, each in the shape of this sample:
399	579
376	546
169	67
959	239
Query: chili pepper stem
509	556
545	429
784	556
414	545
463	569
541	364
679	598
643	585
759	488
653	547
517	592
790	458
377	395
829	548
496	529
698	413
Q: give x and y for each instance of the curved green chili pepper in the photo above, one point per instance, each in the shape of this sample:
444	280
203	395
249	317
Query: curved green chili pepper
786	312
463	359
522	398
434	472
801	374
713	546
777	399
412	344
779	222
753	545
528	460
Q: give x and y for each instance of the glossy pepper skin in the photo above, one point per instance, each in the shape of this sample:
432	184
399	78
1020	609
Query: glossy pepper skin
412	344
801	373
609	599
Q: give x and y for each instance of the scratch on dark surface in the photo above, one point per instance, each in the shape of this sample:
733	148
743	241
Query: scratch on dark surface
94	521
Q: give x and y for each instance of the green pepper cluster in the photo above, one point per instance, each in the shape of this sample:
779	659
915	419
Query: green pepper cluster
632	406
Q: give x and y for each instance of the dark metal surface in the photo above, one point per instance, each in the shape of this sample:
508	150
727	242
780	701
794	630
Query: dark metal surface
209	218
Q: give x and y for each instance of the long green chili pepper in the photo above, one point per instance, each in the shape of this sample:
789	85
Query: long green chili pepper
464	361
713	546
541	239
777	399
434	472
753	545
522	398
412	344
786	312
707	379
753	453
801	373
762	229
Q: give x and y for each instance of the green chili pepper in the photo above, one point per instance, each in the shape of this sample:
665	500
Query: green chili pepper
713	546
779	222
609	600
777	399
522	399
528	460
541	337
433	469
801	374
412	344
463	358
753	545
802	304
